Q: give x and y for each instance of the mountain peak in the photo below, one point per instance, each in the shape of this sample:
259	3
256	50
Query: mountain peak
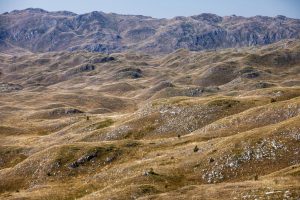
36	10
212	18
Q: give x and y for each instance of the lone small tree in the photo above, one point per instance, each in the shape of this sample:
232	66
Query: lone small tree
196	149
255	177
273	100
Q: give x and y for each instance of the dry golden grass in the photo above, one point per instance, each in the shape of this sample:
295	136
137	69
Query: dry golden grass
188	125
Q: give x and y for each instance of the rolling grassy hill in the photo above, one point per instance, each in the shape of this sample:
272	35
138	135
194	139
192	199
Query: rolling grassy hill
221	124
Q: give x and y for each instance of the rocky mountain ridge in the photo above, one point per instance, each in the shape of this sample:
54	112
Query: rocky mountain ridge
37	30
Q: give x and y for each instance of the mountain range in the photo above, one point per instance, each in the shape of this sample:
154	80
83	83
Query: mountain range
37	30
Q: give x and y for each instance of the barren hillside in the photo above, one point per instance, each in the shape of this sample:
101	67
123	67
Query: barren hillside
218	124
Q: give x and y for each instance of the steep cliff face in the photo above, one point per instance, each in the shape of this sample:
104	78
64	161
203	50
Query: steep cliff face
37	30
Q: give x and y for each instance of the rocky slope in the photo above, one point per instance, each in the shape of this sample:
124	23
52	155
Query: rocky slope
37	30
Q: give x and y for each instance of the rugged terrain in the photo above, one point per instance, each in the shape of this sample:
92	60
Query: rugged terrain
37	30
220	124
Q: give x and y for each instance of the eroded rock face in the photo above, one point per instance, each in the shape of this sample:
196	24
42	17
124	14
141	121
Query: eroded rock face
41	31
81	69
103	60
9	87
83	159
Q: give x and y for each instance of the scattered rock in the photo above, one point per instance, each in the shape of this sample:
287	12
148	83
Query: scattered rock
214	176
103	60
287	194
251	75
83	160
64	111
86	68
162	85
111	158
10	87
150	172
80	69
132	73
263	85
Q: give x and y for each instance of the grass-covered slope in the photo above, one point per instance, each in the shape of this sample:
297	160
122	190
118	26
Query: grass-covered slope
188	125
